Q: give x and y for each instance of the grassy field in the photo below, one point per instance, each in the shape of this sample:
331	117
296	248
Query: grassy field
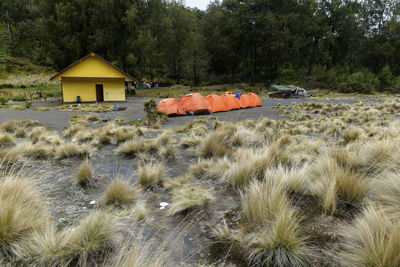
19	78
20	87
178	91
320	187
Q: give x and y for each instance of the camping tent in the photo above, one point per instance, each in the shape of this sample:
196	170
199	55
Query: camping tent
255	99
194	103
230	101
245	101
216	103
170	106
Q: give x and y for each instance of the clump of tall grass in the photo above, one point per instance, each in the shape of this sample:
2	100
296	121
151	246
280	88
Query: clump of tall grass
9	126
262	201
37	133
36	151
125	133
9	157
215	144
145	251
251	164
151	173
120	192
84	174
294	179
282	244
22	212
69	150
379	155
372	239
275	238
6	139
188	197
85	136
72	130
139	211
351	134
335	185
20	133
190	141
167	153
85	244
248	138
131	148
385	190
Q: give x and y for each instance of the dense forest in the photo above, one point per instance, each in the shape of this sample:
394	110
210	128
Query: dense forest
345	45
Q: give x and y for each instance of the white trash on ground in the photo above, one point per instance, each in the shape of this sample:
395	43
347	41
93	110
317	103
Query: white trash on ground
163	205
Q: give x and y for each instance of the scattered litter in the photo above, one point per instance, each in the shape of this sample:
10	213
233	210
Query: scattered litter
119	108
84	208
164	204
61	220
92	202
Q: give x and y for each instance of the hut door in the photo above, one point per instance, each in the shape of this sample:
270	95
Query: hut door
99	93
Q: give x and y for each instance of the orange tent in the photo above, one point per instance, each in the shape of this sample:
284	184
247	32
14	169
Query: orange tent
255	99
170	106
245	101
216	103
194	103
230	101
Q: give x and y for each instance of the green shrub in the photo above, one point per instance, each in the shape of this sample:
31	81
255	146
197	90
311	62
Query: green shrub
153	115
18	98
385	77
3	100
28	104
6	85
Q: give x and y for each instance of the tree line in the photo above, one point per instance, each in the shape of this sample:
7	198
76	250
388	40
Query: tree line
347	45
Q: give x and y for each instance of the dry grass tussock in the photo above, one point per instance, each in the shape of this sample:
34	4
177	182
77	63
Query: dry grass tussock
373	239
216	144
132	147
120	192
251	164
270	233
262	201
84	174
335	185
22	213
34	151
385	190
188	197
6	139
70	150
380	155
151	173
82	245
147	251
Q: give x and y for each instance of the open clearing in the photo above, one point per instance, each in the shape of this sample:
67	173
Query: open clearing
293	183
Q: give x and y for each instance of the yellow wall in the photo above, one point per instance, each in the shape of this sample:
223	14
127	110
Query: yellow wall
92	67
113	89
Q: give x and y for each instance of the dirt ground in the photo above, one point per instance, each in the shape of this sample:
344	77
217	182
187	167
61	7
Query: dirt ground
68	202
60	119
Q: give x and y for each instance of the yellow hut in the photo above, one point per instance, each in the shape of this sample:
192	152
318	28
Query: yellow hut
91	79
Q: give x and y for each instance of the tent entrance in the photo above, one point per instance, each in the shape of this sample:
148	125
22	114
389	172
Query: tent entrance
99	93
